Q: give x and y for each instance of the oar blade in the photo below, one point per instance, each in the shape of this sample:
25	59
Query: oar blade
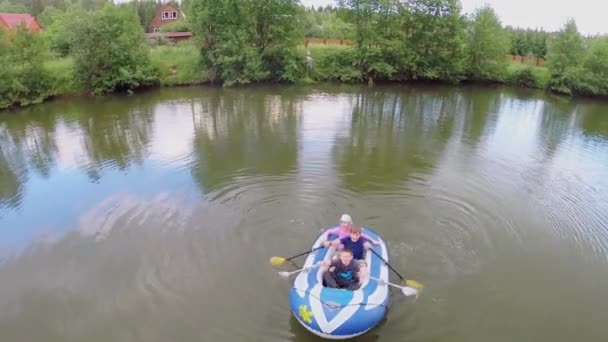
414	284
277	261
284	274
409	291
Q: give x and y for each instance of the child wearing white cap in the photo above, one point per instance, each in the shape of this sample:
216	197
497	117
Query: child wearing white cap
343	230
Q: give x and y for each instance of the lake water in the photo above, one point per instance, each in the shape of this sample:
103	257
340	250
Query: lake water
152	217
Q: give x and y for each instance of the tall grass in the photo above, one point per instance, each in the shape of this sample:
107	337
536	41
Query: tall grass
179	64
62	73
332	63
527	76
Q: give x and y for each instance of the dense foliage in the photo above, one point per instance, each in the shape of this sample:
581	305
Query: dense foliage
436	40
565	57
247	41
325	22
23	78
98	47
486	46
7	7
576	65
528	42
109	51
181	25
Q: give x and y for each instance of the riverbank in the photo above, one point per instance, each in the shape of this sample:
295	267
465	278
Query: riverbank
178	65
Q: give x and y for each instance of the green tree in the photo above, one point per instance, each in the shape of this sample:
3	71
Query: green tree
334	27
313	24
377	35
526	41
93	4
24	79
7	7
436	39
247	41
225	32
518	44
595	68
49	15
146	9
60	32
487	46
541	44
565	56
326	24
110	53
6	75
277	31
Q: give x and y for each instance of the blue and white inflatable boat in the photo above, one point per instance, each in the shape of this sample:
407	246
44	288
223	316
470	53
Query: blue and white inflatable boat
338	313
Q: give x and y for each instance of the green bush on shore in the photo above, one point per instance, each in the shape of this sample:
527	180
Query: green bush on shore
23	78
527	76
61	70
332	63
110	53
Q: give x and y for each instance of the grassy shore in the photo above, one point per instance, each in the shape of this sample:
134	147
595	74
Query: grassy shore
179	64
176	64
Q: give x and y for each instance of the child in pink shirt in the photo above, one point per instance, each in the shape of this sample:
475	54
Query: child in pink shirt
343	230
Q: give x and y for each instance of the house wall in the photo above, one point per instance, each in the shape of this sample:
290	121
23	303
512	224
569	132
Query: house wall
35	26
158	20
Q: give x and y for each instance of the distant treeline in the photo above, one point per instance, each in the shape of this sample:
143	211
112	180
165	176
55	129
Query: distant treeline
320	22
241	42
326	22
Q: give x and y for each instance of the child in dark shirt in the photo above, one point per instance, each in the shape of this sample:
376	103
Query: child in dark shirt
343	273
355	242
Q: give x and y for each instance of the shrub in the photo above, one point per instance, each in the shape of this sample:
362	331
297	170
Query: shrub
110	52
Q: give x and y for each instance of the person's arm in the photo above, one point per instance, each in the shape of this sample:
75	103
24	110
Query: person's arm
333	265
325	239
356	272
326	265
339	243
368	238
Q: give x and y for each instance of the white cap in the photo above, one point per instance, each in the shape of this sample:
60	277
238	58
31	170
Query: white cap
346	218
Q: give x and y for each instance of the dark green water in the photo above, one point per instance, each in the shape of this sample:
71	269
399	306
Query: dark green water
152	217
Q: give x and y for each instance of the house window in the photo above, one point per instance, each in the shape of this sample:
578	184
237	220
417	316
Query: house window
169	15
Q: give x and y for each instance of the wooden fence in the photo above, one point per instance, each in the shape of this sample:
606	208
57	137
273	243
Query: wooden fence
529	60
327	41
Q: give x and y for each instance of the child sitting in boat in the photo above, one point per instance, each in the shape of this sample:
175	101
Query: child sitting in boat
342	273
342	231
355	242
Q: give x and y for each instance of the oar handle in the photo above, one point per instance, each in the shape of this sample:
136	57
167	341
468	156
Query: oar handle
386	282
304	269
304	253
389	265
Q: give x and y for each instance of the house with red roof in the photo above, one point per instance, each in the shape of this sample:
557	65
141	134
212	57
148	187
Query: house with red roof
10	21
167	14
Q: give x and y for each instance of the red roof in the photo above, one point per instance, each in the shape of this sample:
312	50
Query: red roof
13	20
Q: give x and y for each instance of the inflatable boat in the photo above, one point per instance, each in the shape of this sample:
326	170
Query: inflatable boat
339	313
